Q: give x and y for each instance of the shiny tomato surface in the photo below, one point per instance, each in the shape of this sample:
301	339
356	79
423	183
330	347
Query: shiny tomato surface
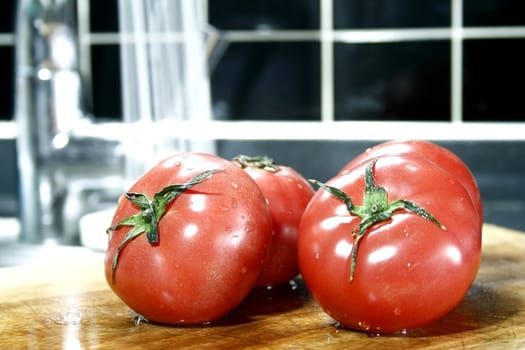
287	193
443	157
409	271
212	242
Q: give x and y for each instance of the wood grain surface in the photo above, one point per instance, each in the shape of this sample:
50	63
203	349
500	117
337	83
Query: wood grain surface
71	307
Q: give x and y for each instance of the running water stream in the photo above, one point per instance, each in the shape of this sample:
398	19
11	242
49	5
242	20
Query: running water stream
164	78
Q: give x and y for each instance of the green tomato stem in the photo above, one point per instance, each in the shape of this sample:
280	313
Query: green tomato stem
375	209
259	162
150	213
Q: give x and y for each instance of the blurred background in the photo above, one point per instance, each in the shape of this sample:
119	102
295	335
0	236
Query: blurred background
450	71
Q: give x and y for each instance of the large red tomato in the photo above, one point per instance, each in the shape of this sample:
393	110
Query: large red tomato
392	244
189	240
432	152
287	193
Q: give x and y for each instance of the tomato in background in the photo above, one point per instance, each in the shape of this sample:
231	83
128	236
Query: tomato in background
409	269
287	193
203	255
432	152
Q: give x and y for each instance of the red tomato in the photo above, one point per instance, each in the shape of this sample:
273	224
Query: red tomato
287	193
212	240
408	270
432	152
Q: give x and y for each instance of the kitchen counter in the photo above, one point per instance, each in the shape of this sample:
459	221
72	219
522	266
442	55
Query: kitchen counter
70	306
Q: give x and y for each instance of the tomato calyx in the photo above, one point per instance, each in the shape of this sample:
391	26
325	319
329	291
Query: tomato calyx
375	209
259	162
151	212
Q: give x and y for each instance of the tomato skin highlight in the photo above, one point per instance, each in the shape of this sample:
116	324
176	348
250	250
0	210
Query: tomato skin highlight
439	155
288	194
409	272
213	242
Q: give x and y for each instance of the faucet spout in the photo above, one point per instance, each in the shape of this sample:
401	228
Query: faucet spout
47	105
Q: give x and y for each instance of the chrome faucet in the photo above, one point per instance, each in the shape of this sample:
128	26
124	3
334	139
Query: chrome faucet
48	79
70	166
53	165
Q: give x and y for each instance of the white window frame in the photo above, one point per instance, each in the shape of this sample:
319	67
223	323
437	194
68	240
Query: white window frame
327	128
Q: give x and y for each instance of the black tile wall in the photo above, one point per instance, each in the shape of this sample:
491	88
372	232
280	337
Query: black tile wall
8	179
392	81
268	81
493	13
104	15
6	82
493	75
367	14
7	16
6	61
105	70
281	80
264	14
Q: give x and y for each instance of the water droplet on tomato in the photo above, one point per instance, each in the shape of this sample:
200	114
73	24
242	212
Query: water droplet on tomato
177	163
249	227
244	270
235	185
317	255
363	325
397	311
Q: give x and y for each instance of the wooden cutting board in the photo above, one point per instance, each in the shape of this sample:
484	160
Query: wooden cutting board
71	307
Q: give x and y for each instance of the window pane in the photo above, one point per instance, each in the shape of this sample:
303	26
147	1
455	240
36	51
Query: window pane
7	16
494	12
106	81
391	13
392	81
264	14
493	76
7	82
270	81
104	15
